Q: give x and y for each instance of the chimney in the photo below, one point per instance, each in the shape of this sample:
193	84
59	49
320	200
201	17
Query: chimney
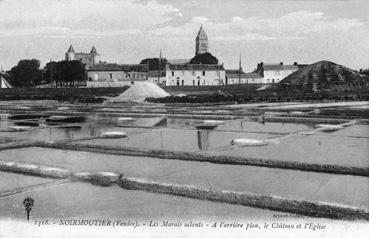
281	63
361	70
295	63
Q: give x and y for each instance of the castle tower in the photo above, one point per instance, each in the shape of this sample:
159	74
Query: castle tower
202	43
70	54
95	55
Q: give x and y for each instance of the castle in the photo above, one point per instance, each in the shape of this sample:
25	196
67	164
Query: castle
88	59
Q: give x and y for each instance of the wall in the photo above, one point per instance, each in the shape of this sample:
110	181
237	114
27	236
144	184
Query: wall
102	84
115	76
256	80
194	77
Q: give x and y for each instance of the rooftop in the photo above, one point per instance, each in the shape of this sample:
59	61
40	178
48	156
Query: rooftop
195	67
120	67
277	66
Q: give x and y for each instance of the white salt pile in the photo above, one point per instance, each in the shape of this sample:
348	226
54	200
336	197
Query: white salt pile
19	128
248	142
139	92
113	134
324	127
216	122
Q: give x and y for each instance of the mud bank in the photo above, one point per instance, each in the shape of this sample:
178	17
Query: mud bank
308	208
218	159
313	209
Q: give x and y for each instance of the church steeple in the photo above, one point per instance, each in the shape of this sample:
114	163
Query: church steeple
202	43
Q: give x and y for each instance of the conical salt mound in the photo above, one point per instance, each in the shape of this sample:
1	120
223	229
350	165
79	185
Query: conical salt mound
140	91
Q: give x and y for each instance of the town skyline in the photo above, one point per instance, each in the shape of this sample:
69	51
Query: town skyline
303	32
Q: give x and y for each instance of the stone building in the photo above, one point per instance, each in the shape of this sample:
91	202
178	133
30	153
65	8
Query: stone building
116	75
88	59
202	43
194	75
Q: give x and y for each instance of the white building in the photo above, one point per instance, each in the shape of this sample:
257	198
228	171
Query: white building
240	77
194	75
153	76
273	73
116	75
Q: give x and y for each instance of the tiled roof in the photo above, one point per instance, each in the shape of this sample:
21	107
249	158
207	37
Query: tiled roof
154	73
93	50
70	49
244	76
179	61
195	67
279	67
120	67
233	71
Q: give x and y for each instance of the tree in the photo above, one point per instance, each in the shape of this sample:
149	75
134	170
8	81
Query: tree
65	73
205	58
26	74
72	71
154	63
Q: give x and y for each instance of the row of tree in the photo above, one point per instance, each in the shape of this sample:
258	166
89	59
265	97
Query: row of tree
27	73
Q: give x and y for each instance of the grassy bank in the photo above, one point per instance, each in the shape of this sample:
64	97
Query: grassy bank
60	94
247	95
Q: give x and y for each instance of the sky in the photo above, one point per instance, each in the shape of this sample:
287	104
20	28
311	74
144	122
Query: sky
127	31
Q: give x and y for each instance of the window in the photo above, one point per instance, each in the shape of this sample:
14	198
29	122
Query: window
172	73
177	82
203	73
193	82
182	82
111	76
198	82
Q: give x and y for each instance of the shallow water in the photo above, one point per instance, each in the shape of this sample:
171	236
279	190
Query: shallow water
349	190
296	142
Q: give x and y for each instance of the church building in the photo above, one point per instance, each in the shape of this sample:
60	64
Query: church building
185	74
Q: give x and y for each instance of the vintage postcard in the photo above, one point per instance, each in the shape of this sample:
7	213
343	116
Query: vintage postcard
184	118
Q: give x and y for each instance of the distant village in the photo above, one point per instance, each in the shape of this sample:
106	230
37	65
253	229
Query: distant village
202	70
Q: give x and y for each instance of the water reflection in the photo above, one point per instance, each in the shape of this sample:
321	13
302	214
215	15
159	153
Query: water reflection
203	139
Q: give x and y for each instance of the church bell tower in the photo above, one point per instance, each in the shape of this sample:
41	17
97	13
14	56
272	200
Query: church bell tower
202	42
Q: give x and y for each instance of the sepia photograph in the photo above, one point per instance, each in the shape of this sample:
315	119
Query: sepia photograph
184	118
